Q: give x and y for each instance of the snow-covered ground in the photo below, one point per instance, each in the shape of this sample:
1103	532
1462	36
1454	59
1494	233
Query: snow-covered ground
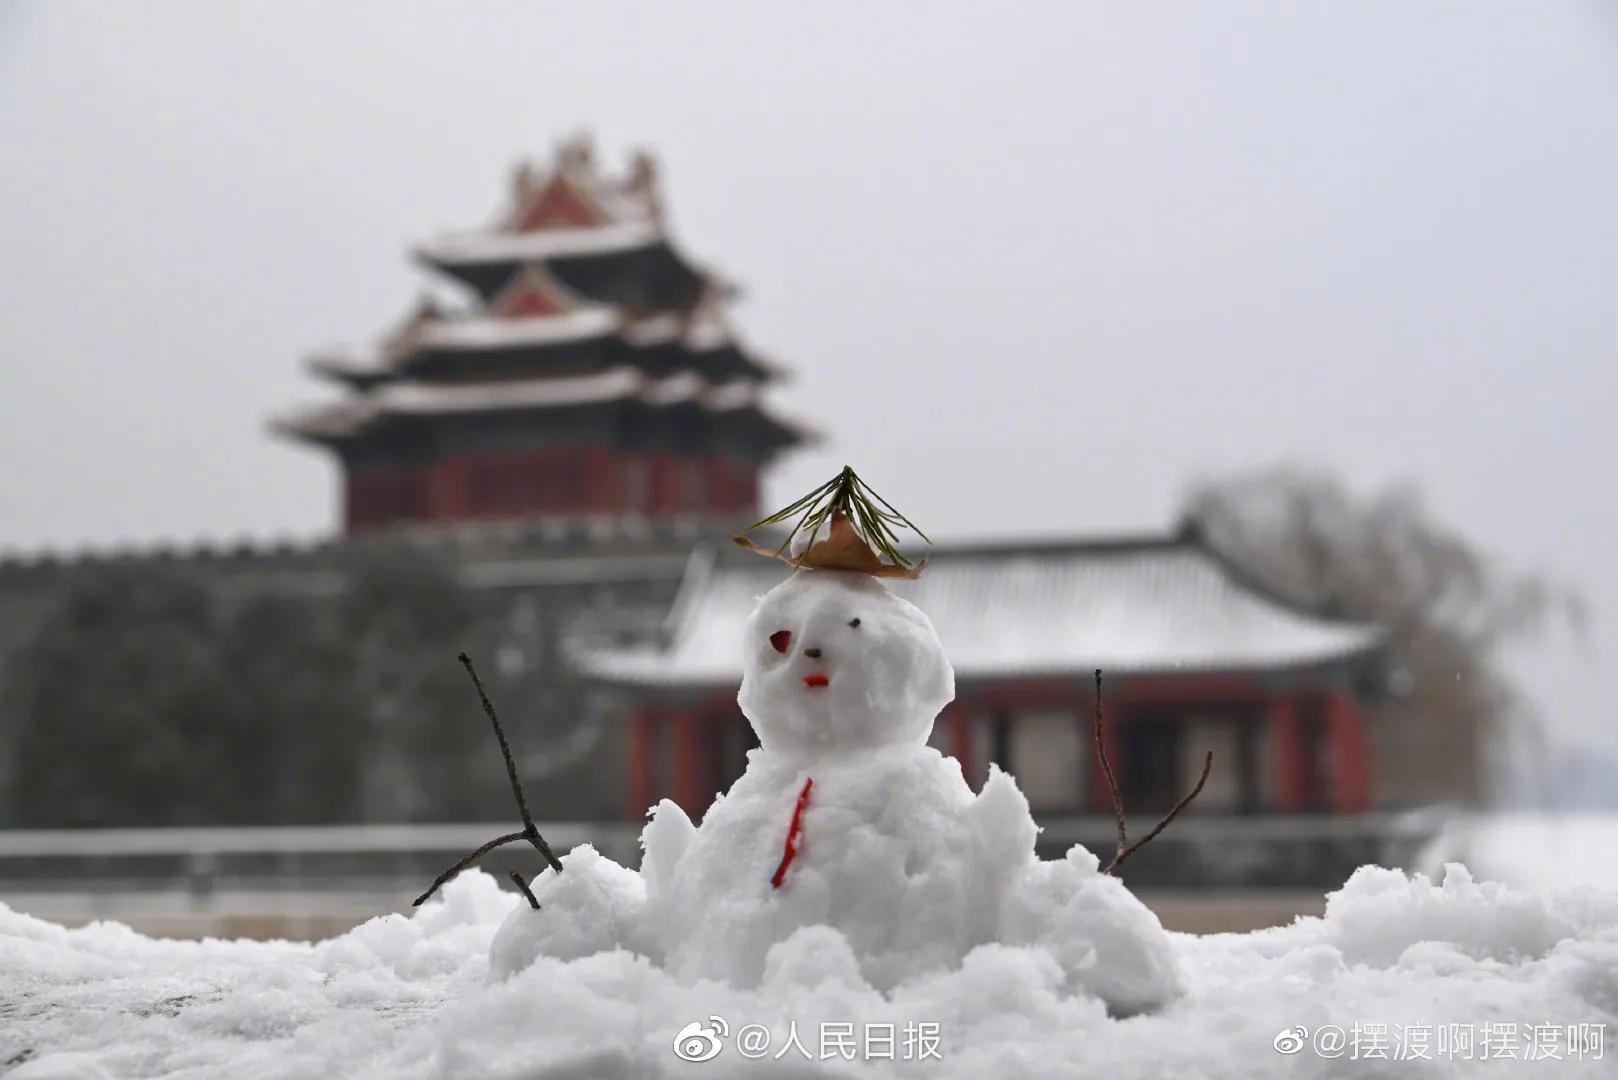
1400	957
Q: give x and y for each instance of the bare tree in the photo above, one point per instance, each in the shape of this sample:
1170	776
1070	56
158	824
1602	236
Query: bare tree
1381	557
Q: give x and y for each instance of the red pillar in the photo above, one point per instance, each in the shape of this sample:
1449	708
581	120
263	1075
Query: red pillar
1286	739
619	466
716	484
595	478
1345	731
639	763
663	477
691	782
355	509
960	739
447	490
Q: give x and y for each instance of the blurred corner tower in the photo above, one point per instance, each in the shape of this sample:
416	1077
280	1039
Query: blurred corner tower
591	374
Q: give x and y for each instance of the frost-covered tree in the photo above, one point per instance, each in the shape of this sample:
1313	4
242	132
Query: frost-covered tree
157	695
403	618
1447	607
148	700
122	718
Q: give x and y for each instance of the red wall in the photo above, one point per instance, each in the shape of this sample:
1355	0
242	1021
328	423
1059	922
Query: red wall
549	480
374	496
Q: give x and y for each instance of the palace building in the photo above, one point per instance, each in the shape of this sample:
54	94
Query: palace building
1197	659
591	376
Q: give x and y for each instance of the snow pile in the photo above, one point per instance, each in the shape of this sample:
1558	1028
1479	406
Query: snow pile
415	998
105	1001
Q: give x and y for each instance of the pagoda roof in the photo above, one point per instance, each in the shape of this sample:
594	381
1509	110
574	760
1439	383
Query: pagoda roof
362	412
604	232
566	318
568	208
1142	606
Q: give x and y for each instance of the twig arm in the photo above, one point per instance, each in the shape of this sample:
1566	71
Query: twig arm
526	891
530	830
1126	849
464	863
1207	765
500	734
1106	767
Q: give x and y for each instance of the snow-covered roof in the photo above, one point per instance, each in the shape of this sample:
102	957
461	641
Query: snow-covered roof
481	333
469	333
487	246
704	328
1033	610
400	399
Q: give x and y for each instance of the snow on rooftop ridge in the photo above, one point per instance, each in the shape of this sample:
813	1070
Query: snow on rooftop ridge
481	332
366	407
1042	612
487	247
618	214
703	330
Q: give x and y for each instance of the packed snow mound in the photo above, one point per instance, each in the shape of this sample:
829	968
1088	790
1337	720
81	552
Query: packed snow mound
414	998
899	911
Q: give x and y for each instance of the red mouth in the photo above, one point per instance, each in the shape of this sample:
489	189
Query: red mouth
816	680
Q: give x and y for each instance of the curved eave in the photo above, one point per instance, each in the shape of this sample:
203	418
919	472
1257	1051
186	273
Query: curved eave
732	360
364	416
354	372
719	364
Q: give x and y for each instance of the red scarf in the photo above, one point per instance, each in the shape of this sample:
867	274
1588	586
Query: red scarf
794	830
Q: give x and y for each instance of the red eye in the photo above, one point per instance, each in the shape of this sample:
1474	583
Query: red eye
781	640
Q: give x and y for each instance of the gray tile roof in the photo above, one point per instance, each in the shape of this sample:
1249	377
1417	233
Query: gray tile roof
1158	605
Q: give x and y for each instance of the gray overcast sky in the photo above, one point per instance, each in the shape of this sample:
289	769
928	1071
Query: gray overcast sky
1035	267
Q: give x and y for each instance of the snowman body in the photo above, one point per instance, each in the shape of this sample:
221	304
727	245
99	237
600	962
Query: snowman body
845	817
882	855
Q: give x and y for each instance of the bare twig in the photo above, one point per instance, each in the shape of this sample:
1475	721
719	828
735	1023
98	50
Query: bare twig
1106	767
464	863
526	891
1118	860
530	831
1126	849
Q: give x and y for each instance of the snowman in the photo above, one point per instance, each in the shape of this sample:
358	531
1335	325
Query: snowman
846	818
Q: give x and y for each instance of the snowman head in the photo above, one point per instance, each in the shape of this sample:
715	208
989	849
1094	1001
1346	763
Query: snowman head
835	661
